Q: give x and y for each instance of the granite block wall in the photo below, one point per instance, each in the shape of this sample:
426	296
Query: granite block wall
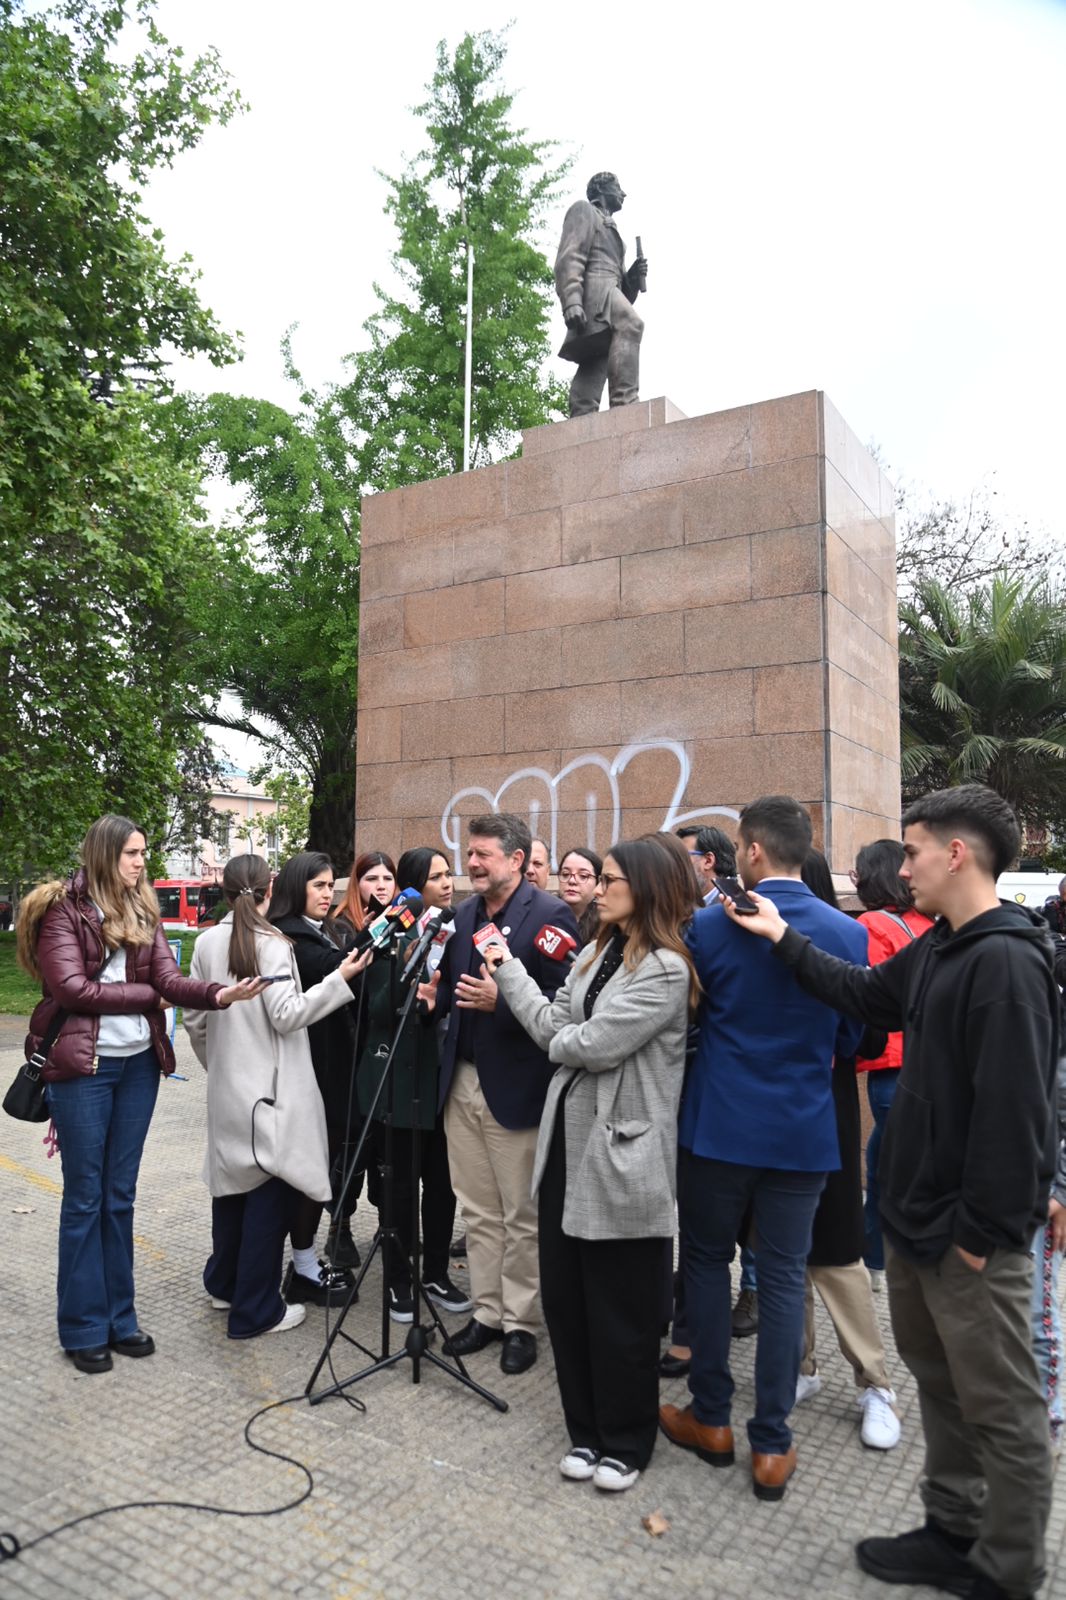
645	618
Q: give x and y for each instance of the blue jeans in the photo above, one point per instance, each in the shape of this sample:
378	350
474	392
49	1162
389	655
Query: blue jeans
1047	1327
880	1091
749	1278
102	1120
712	1198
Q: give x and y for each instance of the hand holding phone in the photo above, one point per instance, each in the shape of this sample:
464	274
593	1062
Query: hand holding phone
734	890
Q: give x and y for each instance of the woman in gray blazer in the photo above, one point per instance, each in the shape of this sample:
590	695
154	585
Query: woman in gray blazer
606	1155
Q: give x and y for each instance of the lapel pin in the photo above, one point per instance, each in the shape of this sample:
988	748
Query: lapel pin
507	933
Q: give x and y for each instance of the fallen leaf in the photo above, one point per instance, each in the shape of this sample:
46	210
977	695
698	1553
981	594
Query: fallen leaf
655	1523
23	1211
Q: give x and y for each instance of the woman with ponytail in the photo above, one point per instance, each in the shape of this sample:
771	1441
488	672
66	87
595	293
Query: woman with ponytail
266	1127
106	970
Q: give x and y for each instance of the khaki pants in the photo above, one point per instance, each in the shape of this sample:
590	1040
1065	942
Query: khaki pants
492	1174
845	1293
965	1336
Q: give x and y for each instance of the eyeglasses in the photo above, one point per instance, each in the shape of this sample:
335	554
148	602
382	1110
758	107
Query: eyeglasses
578	877
607	878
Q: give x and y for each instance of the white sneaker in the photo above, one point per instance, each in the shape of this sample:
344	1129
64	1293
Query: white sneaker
219	1305
877	1280
880	1425
579	1464
610	1474
294	1315
806	1386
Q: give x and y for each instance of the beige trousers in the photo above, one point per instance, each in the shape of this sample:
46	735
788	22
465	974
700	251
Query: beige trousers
845	1293
492	1174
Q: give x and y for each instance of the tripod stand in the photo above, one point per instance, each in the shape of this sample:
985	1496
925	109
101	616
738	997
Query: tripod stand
387	1240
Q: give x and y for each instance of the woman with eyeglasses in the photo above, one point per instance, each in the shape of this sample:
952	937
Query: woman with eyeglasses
579	872
607	1155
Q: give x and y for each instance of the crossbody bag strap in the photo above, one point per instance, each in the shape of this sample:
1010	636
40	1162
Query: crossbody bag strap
893	916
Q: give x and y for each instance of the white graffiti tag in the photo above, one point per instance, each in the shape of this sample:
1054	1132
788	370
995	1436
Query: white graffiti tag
451	822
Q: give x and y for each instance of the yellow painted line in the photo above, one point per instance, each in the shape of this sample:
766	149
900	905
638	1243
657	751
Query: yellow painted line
38	1179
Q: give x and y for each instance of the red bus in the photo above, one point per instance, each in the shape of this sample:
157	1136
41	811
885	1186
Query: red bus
186	902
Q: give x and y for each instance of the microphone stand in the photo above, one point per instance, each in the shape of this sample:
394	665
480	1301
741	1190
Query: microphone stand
416	1345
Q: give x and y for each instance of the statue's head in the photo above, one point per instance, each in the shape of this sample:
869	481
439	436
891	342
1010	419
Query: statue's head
606	187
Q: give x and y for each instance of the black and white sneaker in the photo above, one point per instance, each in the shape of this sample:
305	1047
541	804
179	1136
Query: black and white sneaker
401	1304
444	1294
331	1289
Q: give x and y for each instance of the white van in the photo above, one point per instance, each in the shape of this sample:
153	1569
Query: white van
1029	888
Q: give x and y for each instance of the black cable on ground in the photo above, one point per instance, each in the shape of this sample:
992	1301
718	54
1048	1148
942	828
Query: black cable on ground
11	1546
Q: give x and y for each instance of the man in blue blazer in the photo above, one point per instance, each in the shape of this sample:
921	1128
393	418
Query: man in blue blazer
493	1081
757	1137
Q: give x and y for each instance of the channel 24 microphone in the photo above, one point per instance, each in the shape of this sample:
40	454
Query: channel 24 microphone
401	915
555	943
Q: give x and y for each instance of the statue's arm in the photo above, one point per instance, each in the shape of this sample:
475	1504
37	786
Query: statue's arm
578	229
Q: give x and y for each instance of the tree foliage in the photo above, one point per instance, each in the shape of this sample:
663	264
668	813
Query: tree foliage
284	620
103	560
983	693
481	179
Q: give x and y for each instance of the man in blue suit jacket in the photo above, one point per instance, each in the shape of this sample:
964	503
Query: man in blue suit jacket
493	1081
757	1136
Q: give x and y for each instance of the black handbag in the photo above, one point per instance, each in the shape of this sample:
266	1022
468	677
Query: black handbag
26	1099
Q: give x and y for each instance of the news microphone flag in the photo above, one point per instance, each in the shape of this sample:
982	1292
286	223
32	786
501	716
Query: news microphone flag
555	943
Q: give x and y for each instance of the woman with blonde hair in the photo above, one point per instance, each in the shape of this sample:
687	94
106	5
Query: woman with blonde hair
106	970
266	1125
607	1155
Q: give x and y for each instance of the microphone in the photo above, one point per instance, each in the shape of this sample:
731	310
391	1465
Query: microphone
425	939
401	915
555	943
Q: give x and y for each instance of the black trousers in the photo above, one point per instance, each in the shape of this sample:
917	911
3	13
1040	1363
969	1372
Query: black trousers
438	1203
602	1302
248	1244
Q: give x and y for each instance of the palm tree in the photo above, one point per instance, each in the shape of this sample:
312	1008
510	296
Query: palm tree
983	693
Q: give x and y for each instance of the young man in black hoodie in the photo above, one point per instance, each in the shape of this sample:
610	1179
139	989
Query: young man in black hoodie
966	1164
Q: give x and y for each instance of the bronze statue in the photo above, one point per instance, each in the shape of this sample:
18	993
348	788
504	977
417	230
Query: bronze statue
603	330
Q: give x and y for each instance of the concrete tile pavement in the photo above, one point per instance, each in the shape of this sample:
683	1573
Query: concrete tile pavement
428	1491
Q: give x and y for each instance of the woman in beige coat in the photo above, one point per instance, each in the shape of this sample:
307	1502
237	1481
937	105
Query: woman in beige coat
266	1127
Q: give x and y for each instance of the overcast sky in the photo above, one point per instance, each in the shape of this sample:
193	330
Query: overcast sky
860	197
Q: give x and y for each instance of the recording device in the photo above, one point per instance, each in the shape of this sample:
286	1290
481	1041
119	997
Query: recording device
401	915
275	977
734	890
489	934
429	933
555	943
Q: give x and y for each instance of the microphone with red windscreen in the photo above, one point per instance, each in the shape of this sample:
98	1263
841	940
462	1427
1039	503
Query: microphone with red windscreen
555	943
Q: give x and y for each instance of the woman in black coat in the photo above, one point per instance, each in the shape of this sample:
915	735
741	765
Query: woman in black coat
299	908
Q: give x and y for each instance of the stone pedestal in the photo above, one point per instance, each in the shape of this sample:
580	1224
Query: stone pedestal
646	618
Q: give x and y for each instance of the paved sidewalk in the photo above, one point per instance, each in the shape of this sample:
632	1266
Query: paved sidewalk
431	1492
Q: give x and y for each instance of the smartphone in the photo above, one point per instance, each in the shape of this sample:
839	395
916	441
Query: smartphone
276	977
743	904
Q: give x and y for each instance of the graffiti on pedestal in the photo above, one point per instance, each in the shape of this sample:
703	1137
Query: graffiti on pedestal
603	824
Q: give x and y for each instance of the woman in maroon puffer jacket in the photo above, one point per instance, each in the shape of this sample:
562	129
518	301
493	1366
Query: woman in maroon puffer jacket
97	947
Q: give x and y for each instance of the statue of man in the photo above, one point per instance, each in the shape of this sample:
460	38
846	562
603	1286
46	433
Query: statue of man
602	328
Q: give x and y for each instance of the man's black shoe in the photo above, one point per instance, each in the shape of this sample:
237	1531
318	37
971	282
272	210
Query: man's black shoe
519	1352
925	1555
986	1588
138	1344
457	1249
475	1336
674	1366
94	1358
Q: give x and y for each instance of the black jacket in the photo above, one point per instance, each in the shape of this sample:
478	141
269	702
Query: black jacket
334	1041
970	1144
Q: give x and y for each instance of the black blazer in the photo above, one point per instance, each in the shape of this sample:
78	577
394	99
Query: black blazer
514	1073
334	1043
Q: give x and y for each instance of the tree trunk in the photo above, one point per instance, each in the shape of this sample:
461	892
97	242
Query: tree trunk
331	828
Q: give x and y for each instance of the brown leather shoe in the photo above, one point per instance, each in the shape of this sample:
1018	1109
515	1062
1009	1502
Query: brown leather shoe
710	1444
770	1474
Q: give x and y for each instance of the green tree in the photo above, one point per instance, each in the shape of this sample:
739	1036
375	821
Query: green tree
104	561
284	620
983	694
477	179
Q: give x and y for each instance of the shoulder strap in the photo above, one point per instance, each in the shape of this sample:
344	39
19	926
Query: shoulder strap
893	916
